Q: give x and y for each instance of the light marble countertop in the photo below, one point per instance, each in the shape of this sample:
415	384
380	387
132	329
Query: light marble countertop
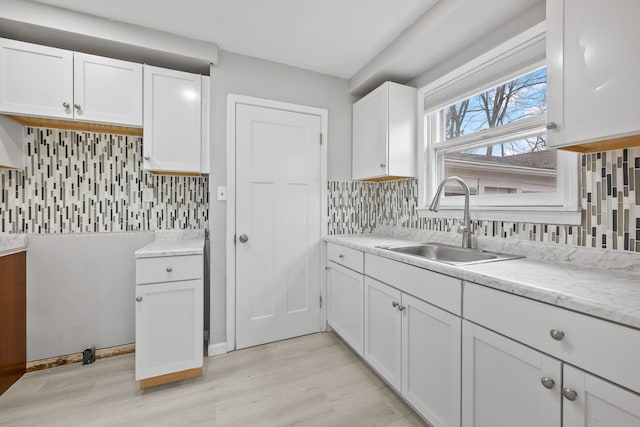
174	243
611	293
12	243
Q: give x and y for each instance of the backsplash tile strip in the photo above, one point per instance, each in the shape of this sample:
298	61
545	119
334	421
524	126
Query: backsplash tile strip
81	182
609	200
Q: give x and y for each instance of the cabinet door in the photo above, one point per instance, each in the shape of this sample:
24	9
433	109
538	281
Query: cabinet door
382	330
172	122
598	403
593	70
107	90
35	80
345	304
502	382
169	327
431	354
370	134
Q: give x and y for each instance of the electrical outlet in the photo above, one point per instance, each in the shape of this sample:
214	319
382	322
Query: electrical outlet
222	194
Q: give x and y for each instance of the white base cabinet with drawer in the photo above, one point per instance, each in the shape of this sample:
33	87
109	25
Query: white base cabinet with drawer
345	304
169	319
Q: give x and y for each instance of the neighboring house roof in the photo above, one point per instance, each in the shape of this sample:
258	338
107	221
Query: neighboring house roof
537	159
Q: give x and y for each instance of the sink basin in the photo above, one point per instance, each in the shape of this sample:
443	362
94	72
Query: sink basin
449	254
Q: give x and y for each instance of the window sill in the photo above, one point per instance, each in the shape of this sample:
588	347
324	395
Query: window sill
533	215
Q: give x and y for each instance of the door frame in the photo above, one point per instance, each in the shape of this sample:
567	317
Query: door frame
233	101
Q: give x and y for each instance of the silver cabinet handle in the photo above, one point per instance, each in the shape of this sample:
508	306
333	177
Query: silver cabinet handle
243	238
395	304
552	126
402	308
569	394
548	382
138	299
146	157
77	107
169	269
66	105
383	165
556	334
341	256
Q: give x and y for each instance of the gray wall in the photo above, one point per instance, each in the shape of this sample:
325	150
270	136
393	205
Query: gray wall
243	75
80	291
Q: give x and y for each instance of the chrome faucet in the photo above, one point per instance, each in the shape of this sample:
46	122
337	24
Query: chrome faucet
465	230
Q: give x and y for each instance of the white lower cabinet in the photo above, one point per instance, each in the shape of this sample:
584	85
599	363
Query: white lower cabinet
169	318
345	304
597	403
415	347
431	361
383	330
168	328
506	384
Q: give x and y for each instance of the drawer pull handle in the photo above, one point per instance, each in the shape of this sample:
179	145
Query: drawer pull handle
395	304
569	394
341	256
556	334
402	308
548	382
169	269
138	299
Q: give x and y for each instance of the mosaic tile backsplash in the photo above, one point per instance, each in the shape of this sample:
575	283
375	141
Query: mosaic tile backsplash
88	182
610	200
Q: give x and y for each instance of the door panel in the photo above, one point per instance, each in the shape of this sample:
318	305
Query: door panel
278	209
598	403
501	382
345	303
382	330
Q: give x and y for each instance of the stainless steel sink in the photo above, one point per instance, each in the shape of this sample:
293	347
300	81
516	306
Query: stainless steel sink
449	254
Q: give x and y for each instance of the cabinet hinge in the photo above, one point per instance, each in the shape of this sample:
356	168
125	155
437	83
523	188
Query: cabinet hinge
320	139
320	301
234	239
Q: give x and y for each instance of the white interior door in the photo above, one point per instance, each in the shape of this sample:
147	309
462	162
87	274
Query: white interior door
278	211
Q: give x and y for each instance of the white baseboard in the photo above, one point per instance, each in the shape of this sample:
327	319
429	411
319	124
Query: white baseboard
217	348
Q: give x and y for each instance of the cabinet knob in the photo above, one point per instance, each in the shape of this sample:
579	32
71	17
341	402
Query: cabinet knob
556	334
569	394
138	299
548	382
243	238
146	157
552	126
402	308
395	304
341	256
66	105
383	165
77	107
169	269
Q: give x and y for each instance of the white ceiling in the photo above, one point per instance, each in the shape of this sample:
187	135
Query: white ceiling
336	37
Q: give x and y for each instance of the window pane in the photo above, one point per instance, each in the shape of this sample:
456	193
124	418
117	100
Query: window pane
517	99
512	167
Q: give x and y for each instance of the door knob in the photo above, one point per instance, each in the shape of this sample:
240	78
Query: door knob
243	238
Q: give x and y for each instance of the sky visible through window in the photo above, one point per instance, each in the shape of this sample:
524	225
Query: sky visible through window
515	100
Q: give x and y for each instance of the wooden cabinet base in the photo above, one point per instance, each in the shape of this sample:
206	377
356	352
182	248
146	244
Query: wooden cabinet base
169	378
13	318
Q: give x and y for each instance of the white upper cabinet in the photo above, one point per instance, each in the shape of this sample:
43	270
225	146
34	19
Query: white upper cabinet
35	80
107	90
173	134
384	133
43	81
593	70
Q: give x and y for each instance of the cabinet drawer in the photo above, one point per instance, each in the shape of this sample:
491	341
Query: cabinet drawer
434	288
603	348
348	257
169	269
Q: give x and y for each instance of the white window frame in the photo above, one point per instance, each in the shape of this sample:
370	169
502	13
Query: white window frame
560	207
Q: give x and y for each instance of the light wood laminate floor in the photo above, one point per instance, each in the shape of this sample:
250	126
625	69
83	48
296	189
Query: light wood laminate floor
313	380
